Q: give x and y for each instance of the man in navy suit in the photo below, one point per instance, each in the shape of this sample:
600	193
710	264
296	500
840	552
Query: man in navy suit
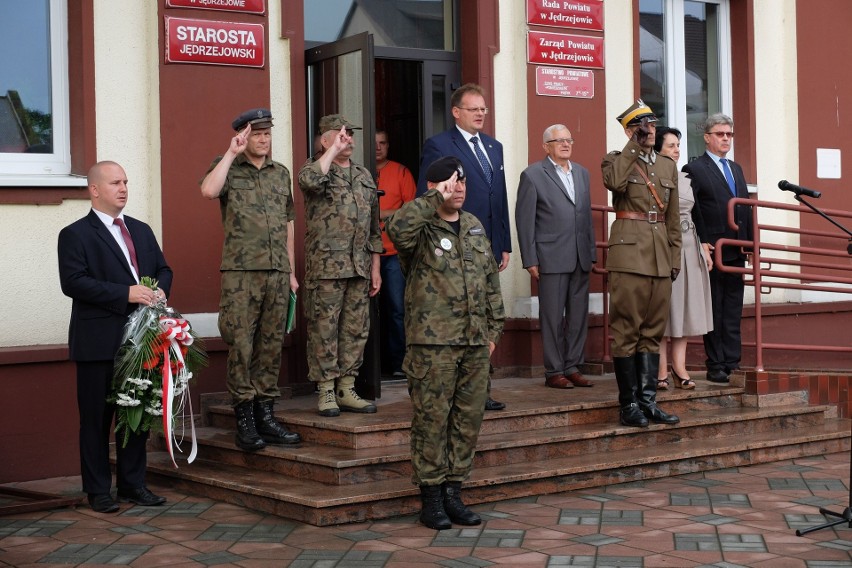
482	159
554	220
715	181
101	259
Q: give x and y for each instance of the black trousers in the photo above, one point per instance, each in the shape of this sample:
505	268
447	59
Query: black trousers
93	385
723	345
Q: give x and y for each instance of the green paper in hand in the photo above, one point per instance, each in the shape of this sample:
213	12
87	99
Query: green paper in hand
291	313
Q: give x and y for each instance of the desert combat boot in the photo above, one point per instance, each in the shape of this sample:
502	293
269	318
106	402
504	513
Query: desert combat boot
349	401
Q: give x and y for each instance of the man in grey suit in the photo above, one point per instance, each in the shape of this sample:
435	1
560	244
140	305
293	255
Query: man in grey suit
554	220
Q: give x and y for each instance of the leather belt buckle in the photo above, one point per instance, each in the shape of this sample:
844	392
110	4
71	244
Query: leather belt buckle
652	217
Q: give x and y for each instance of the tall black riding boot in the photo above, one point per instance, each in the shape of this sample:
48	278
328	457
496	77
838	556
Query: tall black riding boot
456	510
269	429
625	376
247	437
647	367
432	512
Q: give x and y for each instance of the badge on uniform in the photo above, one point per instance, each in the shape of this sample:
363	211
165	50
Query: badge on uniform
446	244
438	252
477	231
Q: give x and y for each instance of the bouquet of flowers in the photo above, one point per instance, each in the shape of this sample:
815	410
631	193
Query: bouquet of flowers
159	354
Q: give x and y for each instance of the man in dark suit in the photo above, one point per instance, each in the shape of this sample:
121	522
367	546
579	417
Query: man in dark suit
554	220
101	259
715	181
482	159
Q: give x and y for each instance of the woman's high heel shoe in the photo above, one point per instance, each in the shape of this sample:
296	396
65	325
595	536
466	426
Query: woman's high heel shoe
682	383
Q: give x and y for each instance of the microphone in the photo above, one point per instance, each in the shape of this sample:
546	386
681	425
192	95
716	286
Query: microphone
785	185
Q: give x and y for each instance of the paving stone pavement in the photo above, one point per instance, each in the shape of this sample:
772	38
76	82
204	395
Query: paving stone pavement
730	518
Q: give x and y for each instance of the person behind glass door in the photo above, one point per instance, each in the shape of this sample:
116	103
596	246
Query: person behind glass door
397	183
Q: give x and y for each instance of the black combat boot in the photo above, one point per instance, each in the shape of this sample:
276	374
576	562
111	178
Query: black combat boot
247	436
455	509
432	512
625	376
647	367
269	429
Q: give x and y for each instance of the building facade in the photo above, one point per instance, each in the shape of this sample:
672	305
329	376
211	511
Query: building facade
155	85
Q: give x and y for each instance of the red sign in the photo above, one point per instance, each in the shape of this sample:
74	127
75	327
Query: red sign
561	82
245	6
579	14
565	49
214	43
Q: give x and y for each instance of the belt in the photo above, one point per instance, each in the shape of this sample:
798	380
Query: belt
686	225
650	216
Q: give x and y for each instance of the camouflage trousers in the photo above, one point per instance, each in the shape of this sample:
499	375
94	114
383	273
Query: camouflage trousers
447	385
252	312
338	324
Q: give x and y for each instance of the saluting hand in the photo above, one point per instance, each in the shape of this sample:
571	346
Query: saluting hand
447	187
240	141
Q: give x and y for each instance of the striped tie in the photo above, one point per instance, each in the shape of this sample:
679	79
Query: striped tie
483	160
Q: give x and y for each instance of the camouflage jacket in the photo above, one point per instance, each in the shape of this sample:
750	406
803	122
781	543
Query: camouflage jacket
342	219
452	287
256	206
637	246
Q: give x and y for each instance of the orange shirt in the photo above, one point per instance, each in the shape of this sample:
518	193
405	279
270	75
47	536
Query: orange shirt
399	187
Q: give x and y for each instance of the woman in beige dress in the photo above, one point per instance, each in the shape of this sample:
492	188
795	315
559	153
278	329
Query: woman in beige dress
691	311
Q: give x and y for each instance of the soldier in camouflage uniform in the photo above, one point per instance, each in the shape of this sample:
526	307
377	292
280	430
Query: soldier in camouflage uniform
342	250
256	200
642	260
453	320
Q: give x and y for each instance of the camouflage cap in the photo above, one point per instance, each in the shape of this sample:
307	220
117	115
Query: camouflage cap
635	113
257	117
335	122
443	168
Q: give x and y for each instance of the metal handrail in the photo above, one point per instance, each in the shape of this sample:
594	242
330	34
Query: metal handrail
764	271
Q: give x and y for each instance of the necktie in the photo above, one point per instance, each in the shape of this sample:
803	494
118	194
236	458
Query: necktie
131	250
729	176
483	160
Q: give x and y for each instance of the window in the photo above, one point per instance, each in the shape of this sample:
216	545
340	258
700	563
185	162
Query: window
426	24
34	115
684	64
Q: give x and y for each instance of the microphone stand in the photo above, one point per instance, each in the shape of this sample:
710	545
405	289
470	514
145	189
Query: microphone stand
844	516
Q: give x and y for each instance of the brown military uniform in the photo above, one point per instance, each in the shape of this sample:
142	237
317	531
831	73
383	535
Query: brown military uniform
642	253
453	309
343	232
256	206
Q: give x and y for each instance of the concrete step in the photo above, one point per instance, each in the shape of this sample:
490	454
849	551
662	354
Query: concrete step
321	504
700	420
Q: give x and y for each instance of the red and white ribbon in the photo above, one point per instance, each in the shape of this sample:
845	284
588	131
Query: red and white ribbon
176	334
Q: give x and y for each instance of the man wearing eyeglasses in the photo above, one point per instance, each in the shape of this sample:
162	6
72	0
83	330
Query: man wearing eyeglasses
554	220
715	181
482	157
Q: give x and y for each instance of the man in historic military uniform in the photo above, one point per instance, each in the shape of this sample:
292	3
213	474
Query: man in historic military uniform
256	200
643	259
343	245
453	320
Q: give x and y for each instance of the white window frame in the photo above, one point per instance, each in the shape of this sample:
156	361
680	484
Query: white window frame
49	169
676	65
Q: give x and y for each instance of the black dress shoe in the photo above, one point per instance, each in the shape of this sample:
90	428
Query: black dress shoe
717	376
102	503
141	496
492	404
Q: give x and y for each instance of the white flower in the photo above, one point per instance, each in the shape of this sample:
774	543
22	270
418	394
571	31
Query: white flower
125	400
154	411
